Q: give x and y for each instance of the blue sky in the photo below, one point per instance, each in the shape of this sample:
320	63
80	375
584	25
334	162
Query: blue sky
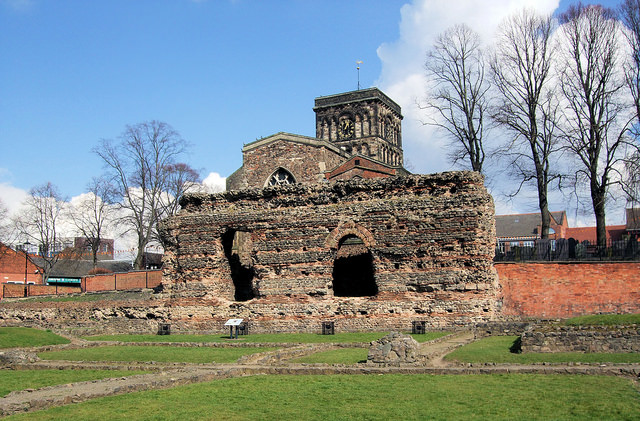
221	72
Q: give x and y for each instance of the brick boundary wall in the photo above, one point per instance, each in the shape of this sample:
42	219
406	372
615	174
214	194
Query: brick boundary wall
122	281
103	282
567	289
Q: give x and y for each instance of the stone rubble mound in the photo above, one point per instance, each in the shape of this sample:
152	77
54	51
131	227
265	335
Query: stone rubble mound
396	347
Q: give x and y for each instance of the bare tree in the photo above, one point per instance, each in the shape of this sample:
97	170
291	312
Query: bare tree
39	221
527	105
4	227
629	12
597	115
458	99
92	214
181	178
142	165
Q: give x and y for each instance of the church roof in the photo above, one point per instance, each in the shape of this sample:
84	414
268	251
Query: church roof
290	137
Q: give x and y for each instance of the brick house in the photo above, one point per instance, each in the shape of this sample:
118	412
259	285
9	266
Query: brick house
632	226
523	229
16	265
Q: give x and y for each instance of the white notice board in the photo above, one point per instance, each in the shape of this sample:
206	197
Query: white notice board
233	322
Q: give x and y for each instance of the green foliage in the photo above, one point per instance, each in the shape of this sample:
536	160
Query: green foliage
13	337
497	349
344	397
264	337
604	320
336	356
152	353
11	380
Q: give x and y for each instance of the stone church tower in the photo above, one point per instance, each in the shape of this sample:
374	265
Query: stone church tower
366	122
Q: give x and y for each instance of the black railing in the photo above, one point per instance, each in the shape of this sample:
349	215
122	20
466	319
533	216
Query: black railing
566	250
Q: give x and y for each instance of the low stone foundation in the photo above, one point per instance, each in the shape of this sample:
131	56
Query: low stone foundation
582	339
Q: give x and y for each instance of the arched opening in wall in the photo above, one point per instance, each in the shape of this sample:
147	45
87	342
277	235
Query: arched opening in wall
353	273
237	249
280	177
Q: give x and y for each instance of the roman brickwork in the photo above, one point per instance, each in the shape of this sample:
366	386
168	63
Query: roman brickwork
367	254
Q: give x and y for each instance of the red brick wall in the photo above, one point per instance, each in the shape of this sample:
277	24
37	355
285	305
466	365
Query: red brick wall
102	282
569	289
33	290
122	281
12	290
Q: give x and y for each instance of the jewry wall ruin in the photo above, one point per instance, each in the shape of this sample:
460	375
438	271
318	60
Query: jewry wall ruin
367	254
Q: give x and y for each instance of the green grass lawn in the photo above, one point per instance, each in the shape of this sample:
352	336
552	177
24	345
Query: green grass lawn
151	353
367	397
603	320
264	337
12	337
335	356
496	349
11	380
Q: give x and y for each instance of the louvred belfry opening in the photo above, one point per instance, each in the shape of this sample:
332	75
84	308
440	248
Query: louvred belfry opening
353	272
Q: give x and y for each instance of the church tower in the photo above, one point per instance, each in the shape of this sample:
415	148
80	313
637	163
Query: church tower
364	122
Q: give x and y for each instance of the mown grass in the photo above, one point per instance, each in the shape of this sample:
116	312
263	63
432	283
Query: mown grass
343	397
11	380
14	337
603	320
497	349
350	337
335	356
152	353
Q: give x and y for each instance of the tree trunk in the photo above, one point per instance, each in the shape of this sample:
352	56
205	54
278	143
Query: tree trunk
139	262
598	199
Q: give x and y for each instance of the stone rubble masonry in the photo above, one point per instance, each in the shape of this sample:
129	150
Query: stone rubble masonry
431	237
581	339
293	153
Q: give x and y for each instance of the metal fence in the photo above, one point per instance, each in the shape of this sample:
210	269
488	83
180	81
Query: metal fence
569	250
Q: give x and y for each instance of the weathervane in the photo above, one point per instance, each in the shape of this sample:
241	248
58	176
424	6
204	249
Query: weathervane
358	63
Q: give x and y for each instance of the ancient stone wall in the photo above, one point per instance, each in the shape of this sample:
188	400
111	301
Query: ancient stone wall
582	339
398	249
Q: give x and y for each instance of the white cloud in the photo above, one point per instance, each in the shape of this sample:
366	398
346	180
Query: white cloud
12	197
215	183
402	76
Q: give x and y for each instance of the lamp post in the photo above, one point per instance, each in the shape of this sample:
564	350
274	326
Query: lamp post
25	247
26	259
